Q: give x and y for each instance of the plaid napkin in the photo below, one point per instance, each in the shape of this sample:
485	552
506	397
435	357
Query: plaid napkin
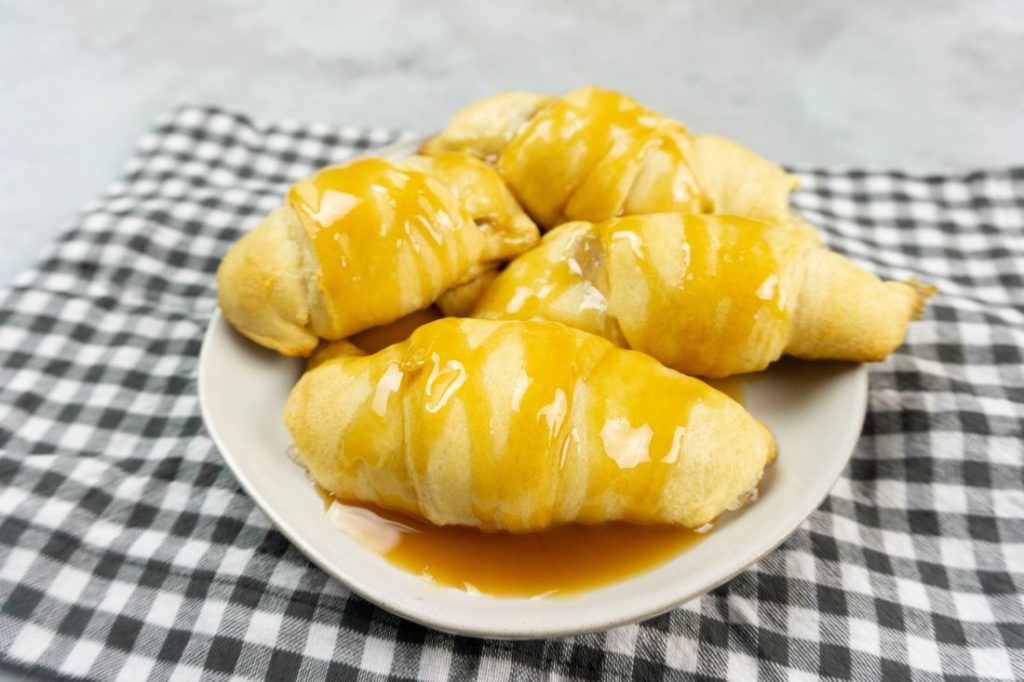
127	550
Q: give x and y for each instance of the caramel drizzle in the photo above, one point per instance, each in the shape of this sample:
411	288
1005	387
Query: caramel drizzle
578	157
696	292
378	228
549	425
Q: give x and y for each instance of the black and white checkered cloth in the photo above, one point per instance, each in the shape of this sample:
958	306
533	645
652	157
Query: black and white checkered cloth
127	550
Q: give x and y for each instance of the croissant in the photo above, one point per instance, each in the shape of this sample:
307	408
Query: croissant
706	295
360	245
596	154
519	426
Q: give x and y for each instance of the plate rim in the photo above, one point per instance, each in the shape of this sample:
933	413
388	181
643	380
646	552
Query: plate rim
859	373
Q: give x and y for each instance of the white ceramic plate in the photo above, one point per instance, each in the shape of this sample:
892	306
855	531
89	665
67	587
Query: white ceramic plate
815	410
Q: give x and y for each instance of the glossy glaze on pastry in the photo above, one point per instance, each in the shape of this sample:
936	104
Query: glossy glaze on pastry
596	154
520	426
360	245
706	295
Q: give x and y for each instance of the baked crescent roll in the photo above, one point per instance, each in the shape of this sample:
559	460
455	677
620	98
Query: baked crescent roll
360	245
596	154
519	426
709	295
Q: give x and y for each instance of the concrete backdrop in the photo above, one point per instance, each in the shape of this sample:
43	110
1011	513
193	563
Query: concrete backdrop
921	86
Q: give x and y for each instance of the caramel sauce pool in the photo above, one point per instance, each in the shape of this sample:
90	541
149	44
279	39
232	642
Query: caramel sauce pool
559	561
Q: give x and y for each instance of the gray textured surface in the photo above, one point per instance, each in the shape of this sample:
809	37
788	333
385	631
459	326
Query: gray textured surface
923	86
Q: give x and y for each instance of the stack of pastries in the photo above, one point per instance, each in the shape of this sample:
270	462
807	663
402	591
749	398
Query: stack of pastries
560	387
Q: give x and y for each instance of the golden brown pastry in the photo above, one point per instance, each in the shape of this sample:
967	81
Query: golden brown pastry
520	426
596	154
459	301
708	295
360	245
736	181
